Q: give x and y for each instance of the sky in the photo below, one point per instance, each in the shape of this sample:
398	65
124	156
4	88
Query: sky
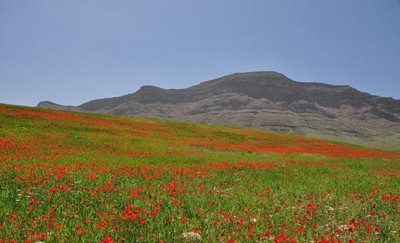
73	51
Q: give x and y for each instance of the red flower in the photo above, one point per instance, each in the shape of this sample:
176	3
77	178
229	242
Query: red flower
377	229
108	239
369	228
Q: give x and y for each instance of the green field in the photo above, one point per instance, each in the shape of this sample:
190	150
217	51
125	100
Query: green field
71	177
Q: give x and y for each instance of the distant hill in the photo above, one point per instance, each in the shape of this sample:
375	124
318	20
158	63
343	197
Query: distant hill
265	100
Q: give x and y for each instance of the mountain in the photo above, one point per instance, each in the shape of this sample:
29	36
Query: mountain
265	100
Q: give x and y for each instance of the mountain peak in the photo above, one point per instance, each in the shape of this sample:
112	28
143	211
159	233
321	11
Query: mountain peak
46	103
259	73
149	88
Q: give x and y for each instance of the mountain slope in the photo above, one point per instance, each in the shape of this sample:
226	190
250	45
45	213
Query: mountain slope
266	100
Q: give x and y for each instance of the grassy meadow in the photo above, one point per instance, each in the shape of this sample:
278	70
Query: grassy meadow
71	177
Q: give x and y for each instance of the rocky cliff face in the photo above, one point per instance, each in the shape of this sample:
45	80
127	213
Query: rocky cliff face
266	100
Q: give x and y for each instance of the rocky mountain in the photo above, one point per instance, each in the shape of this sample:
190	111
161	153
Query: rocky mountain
265	100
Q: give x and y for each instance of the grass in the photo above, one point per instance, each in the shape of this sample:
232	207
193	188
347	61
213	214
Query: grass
82	177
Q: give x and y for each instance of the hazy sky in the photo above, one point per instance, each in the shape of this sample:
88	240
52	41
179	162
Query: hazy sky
73	51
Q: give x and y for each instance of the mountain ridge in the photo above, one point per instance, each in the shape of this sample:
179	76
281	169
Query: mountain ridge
266	100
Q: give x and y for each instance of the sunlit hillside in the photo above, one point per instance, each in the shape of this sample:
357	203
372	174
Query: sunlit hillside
82	177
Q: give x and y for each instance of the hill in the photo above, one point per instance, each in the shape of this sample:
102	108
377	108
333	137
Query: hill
68	176
265	100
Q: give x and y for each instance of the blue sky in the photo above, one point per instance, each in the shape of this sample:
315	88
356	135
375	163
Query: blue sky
73	51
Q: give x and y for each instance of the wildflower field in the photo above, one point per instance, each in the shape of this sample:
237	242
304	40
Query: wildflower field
71	177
